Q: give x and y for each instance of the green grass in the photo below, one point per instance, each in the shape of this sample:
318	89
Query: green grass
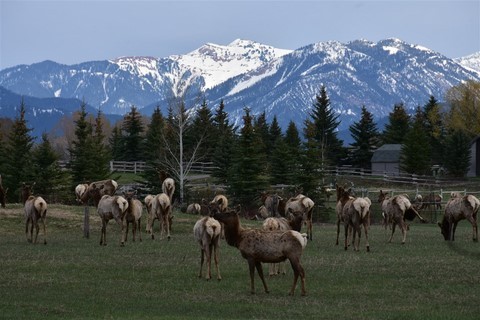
74	278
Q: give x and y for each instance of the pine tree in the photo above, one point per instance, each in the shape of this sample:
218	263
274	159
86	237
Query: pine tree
263	131
247	177
311	165
224	144
293	158
49	177
18	154
322	130
397	126
366	140
132	135
80	150
435	130
457	153
415	152
277	157
100	153
202	128
116	144
154	151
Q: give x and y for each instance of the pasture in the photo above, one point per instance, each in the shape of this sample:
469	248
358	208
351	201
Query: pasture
73	277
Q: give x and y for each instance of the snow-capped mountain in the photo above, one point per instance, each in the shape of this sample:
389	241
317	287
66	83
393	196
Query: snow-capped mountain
471	61
249	74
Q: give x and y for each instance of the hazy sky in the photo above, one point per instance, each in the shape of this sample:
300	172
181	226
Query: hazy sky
71	32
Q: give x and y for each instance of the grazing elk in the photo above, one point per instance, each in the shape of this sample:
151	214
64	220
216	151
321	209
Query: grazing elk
133	216
271	202
96	190
3	194
430	199
282	224
207	233
194	208
161	210
258	246
80	189
396	210
35	209
111	207
341	201
305	205
456	209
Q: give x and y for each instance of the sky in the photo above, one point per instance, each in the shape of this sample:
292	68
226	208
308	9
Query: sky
71	32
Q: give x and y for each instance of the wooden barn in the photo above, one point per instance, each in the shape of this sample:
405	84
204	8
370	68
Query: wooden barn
474	170
386	159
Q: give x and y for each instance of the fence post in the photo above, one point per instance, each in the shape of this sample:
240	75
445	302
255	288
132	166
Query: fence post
86	222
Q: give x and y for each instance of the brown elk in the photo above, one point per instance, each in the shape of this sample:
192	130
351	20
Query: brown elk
430	199
35	210
355	213
110	207
271	202
258	246
96	190
397	210
456	209
302	204
342	197
207	233
133	216
161	210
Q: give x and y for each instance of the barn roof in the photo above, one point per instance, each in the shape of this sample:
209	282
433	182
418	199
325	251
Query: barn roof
387	153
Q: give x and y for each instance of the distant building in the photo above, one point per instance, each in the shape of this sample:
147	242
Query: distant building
386	159
474	170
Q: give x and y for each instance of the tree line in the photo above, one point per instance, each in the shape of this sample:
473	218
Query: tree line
248	158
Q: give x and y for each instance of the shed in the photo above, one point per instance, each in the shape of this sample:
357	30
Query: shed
386	159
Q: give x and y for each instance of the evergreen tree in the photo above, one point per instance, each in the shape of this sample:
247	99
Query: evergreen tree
435	130
100	154
263	131
116	144
247	177
202	128
18	155
464	113
49	177
275	131
293	158
224	144
154	151
311	165
80	150
321	129
397	126
457	153
366	140
132	131
415	152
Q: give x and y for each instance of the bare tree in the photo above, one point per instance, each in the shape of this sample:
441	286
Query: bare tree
178	161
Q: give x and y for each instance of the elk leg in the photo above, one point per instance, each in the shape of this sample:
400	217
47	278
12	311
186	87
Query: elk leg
215	248
208	253
44	230
403	227
365	227
37	229
251	268
201	262
258	265
338	229
26	229
394	224
453	230
475	228
140	229
346	237
297	271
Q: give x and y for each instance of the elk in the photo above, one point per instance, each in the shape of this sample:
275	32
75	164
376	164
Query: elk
341	201
430	199
194	208
35	209
456	209
273	224
207	233
161	210
355	213
271	201
257	246
80	189
305	205
96	190
110	207
133	216
220	201
168	187
396	210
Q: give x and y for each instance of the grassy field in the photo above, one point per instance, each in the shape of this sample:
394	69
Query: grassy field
74	278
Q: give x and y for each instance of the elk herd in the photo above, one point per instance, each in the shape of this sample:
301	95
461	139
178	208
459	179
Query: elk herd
277	240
